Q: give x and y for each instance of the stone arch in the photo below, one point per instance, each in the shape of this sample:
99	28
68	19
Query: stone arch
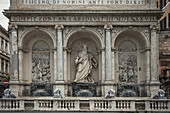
91	31
74	44
134	43
140	36
33	31
26	43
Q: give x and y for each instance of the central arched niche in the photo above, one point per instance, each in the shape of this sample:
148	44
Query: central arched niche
75	43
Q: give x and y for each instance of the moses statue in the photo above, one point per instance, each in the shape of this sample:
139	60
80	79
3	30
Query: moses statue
85	62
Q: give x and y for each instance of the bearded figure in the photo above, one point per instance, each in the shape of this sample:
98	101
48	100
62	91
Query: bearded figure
84	64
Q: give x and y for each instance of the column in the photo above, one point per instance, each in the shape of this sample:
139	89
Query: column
103	65
154	84
21	75
55	63
14	52
113	63
65	62
4	45
0	44
154	55
108	54
148	65
5	66
0	65
60	75
8	48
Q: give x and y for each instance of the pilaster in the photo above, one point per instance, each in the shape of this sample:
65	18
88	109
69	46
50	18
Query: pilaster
108	54
60	75
154	84
14	52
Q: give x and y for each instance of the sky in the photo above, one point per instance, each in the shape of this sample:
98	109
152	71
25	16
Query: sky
4	4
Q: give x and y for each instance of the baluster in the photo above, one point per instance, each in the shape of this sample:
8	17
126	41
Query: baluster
62	102
13	104
127	105
2	104
17	102
117	104
97	105
73	105
121	104
159	105
151	103
59	104
103	104
70	104
50	103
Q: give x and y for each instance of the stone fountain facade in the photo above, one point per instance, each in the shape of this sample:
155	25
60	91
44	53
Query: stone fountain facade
47	35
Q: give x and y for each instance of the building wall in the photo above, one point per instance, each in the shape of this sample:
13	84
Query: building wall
166	10
4	53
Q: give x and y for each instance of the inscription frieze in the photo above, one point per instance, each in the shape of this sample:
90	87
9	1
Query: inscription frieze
83	2
82	18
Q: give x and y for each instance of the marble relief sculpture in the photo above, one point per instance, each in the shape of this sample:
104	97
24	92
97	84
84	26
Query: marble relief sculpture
41	71
85	62
41	62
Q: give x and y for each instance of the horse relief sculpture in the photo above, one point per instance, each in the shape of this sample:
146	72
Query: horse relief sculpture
85	62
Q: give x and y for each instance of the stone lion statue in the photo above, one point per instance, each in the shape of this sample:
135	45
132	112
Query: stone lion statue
160	94
57	93
8	94
111	94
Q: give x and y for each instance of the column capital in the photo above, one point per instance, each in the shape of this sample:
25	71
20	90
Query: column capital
154	27
108	27
59	27
13	27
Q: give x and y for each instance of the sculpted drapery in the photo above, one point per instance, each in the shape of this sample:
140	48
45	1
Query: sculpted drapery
84	64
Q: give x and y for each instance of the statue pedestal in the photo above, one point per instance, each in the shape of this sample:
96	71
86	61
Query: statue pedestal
84	89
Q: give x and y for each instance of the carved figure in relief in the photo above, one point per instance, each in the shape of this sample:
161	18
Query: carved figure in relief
41	71
84	64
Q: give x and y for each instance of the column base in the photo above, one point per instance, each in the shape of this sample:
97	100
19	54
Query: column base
107	86
61	86
154	87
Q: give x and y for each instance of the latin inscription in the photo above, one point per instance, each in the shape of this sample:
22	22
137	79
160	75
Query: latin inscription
81	18
84	2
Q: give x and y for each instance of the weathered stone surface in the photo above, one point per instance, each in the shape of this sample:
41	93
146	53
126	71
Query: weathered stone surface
84	89
39	89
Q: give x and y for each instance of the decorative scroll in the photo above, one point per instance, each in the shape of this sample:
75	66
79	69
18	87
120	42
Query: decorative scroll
41	63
